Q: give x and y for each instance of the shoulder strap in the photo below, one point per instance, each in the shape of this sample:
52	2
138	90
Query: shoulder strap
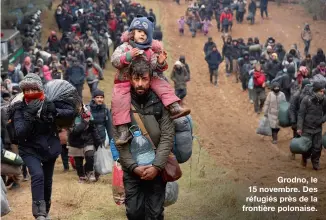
141	125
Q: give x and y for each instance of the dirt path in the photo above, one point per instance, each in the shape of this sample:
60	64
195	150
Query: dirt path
225	118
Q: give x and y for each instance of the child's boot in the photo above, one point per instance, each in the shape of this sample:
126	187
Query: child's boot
124	135
177	111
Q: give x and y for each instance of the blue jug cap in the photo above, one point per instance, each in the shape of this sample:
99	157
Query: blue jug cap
137	133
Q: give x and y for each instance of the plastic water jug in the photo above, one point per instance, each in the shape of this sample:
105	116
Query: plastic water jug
141	149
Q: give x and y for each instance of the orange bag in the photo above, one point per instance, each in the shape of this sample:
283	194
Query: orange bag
118	190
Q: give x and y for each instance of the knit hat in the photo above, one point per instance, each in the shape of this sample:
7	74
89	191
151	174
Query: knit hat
317	86
32	81
305	82
145	24
98	93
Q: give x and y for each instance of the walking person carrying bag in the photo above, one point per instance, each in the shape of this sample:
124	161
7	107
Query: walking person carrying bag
172	171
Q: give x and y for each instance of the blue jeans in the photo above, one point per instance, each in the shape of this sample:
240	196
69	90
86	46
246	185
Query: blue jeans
41	176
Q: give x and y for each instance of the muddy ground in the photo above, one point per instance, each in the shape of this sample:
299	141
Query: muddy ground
225	120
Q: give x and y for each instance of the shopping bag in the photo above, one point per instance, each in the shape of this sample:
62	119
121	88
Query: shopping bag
264	128
103	161
300	145
118	190
5	209
171	193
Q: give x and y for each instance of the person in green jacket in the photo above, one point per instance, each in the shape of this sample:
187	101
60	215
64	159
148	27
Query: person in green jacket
144	183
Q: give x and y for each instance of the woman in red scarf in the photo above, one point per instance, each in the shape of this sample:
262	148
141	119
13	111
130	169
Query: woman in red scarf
34	129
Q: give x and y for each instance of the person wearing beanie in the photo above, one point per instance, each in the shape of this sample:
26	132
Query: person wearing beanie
274	66
179	76
33	123
311	117
271	108
295	106
94	73
140	48
101	115
182	59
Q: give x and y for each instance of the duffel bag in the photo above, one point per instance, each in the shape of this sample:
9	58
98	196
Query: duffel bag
300	145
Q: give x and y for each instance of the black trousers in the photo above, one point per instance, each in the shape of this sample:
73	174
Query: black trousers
82	169
144	198
65	157
316	147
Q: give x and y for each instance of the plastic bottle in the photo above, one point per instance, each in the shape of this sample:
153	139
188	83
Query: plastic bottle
141	149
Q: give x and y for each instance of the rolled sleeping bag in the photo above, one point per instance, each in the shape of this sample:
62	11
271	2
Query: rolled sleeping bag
182	148
255	48
300	145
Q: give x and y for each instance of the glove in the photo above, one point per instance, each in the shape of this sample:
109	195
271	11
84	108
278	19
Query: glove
33	107
49	111
50	107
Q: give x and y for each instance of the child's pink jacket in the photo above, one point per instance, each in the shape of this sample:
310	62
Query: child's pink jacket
121	98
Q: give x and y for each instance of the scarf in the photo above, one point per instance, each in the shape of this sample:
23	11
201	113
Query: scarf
139	46
32	96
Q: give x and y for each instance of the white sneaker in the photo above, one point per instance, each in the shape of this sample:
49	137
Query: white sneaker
91	177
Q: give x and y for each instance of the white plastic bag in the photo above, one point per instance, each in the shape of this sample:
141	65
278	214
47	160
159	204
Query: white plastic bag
171	193
264	127
5	209
103	161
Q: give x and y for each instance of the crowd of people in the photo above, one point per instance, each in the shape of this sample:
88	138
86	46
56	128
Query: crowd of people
286	73
199	15
89	29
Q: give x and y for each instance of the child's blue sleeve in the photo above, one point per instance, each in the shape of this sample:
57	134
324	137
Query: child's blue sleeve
114	151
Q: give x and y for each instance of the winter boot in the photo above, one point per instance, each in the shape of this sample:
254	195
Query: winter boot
274	137
177	111
39	210
124	135
304	162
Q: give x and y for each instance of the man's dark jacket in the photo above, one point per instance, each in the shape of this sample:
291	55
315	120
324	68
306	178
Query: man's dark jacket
159	126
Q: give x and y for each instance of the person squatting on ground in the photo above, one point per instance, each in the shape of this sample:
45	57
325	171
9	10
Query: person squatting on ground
83	140
180	77
139	43
145	183
39	145
311	116
271	108
213	59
